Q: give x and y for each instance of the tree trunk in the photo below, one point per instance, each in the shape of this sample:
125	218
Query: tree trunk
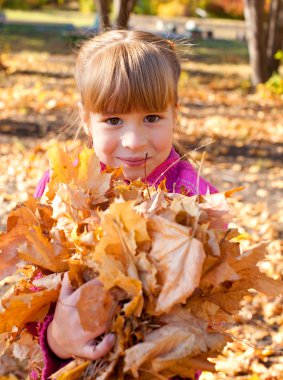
254	16
103	11
275	35
125	7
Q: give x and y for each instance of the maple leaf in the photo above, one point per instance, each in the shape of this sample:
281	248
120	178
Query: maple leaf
183	335
38	250
96	307
113	258
215	210
83	170
20	220
9	259
150	250
179	259
131	220
23	308
90	177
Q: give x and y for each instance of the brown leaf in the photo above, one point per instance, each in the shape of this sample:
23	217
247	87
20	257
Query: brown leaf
95	307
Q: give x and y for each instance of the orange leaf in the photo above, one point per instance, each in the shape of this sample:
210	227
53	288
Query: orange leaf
38	250
24	308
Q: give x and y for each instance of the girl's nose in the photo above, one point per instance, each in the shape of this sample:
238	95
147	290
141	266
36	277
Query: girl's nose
134	139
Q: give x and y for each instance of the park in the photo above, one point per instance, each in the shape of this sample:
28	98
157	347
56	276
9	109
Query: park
230	122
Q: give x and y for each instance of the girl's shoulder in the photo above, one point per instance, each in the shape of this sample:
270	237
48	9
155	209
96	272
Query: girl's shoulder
189	181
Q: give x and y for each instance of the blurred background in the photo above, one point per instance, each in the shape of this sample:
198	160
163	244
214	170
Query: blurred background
231	105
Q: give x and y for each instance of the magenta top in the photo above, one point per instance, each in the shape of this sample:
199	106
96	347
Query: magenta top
180	175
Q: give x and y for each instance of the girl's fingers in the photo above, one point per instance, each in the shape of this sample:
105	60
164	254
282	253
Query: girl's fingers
95	352
66	288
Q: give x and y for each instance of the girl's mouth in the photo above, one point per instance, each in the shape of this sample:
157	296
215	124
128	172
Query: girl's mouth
133	161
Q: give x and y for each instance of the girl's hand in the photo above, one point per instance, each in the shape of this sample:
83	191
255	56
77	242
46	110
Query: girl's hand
65	334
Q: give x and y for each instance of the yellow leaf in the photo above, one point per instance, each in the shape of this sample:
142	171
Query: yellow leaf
71	371
62	166
130	219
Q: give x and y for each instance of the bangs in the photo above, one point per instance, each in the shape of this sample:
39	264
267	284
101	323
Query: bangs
129	77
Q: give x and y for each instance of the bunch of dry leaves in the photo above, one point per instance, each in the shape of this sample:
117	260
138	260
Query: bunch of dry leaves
171	270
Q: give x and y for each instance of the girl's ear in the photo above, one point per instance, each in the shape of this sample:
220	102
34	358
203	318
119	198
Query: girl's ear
83	118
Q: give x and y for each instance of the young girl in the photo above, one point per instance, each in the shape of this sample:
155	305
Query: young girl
128	86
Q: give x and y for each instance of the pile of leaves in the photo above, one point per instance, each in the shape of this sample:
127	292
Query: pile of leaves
171	271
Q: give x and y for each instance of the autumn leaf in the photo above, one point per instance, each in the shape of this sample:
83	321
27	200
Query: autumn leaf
96	307
20	220
26	347
38	250
9	259
90	177
170	276
23	308
125	213
182	336
179	258
61	163
71	371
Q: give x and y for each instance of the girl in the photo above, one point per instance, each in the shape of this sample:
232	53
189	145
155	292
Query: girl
128	86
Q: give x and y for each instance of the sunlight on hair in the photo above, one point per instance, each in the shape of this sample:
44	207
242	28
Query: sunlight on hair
125	71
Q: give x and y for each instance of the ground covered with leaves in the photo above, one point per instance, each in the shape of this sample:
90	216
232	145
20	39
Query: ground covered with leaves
243	136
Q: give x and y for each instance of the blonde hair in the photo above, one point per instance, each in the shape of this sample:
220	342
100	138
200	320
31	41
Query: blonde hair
123	71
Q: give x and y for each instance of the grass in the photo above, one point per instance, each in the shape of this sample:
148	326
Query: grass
54	42
54	16
212	52
221	51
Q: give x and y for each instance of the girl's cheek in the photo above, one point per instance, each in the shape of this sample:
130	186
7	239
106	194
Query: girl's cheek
163	139
103	145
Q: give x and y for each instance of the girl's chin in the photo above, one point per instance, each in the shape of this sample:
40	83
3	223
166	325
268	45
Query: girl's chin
133	175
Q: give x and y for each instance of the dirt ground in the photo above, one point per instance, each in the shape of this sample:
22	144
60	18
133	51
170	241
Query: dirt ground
242	135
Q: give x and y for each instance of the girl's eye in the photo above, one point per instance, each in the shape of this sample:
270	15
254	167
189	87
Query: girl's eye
114	121
151	118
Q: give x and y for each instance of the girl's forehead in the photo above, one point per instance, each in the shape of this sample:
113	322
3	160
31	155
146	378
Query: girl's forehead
139	111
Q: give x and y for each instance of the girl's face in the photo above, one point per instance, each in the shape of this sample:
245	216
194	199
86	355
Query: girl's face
132	140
